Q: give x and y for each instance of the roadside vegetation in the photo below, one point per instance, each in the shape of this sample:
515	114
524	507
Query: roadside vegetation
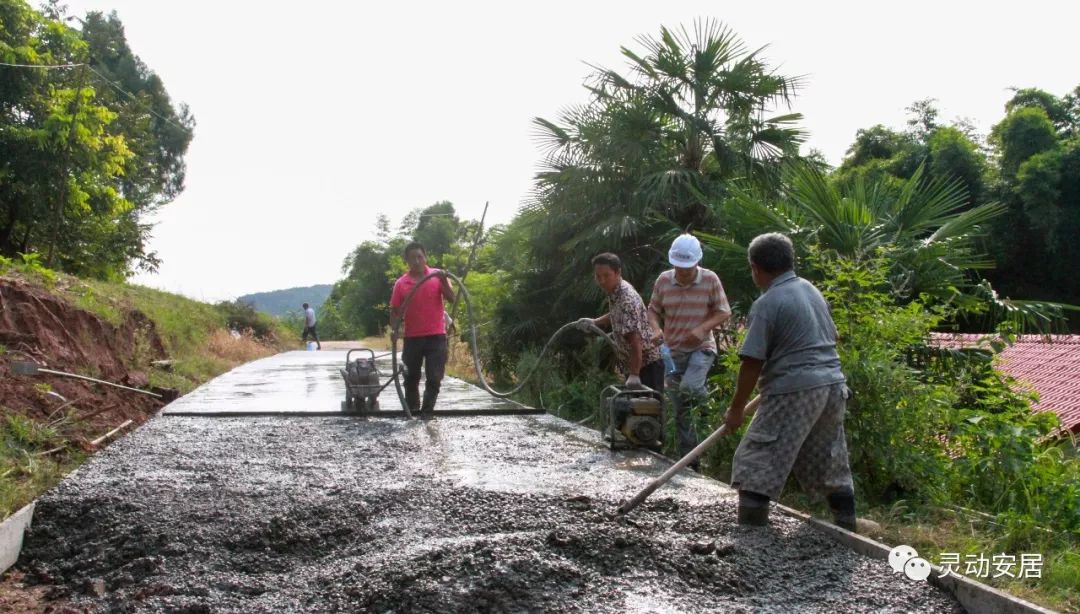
27	468
89	148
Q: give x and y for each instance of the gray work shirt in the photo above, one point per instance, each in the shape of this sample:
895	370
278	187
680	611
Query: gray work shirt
792	331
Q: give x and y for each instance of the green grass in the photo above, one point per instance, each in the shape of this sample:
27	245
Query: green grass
933	531
198	368
184	326
182	323
25	472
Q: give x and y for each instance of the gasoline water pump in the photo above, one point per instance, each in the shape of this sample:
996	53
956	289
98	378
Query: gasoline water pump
635	417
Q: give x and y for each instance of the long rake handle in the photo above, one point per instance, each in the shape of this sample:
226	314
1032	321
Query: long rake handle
29	368
692	456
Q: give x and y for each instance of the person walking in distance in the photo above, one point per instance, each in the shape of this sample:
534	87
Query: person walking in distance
687	303
789	352
309	326
424	328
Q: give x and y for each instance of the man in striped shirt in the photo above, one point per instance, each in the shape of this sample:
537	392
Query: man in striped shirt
687	303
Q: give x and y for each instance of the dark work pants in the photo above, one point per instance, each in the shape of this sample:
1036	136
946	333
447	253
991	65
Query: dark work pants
652	375
432	352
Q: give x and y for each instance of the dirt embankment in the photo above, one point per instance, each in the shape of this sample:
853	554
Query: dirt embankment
41	327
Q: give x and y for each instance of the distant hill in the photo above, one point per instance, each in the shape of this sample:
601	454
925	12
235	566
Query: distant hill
280	302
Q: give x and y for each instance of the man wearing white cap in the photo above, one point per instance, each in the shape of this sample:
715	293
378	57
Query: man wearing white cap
687	303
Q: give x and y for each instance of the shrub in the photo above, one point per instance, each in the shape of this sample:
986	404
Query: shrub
896	417
237	347
567	384
241	316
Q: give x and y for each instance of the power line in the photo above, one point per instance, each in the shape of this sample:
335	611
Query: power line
135	98
43	66
103	78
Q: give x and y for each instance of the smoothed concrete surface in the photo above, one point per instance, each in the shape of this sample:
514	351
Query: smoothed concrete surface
301	381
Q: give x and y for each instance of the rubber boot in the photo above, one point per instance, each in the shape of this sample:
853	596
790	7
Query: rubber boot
753	509
842	505
427	410
412	397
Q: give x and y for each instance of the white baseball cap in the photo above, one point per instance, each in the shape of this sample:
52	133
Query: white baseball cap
685	251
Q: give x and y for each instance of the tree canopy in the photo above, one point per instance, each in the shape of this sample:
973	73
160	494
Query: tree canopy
90	143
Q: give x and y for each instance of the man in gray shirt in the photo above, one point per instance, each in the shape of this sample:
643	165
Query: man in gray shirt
790	353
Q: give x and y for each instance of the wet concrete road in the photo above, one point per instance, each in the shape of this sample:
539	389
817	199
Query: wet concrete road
493	513
293	382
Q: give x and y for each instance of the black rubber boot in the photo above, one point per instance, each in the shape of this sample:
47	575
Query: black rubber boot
754	516
753	509
842	505
427	410
412	397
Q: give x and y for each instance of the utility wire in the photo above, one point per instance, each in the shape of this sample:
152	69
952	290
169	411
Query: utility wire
43	66
135	98
103	78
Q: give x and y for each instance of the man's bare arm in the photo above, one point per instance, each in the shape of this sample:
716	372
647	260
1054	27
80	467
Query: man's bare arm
654	323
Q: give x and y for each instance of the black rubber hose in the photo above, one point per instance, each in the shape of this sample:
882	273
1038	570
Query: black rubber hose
475	345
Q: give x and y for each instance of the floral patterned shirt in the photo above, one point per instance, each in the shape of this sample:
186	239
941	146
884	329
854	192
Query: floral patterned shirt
628	315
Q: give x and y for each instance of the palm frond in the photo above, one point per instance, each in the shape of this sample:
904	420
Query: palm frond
640	64
845	225
722	244
926	204
550	136
968	222
1038	316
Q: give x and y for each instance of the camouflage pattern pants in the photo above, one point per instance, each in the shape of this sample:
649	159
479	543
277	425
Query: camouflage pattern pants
800	432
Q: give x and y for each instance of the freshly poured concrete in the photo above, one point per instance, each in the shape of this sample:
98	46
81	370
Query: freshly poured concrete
493	513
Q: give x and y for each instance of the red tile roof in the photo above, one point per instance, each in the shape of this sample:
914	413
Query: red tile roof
1050	365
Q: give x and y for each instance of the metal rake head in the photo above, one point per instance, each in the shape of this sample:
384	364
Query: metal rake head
24	368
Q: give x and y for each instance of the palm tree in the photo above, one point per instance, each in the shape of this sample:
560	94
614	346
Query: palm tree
716	96
922	227
644	158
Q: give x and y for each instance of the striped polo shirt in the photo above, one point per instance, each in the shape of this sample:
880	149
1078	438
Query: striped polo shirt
683	308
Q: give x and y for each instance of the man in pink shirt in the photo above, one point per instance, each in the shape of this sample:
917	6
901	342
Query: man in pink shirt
425	328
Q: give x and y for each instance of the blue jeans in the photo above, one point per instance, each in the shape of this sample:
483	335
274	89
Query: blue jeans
687	388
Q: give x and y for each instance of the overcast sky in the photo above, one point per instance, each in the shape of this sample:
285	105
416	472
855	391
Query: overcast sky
315	117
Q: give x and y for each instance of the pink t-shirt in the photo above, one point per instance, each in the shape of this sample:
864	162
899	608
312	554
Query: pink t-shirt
424	315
